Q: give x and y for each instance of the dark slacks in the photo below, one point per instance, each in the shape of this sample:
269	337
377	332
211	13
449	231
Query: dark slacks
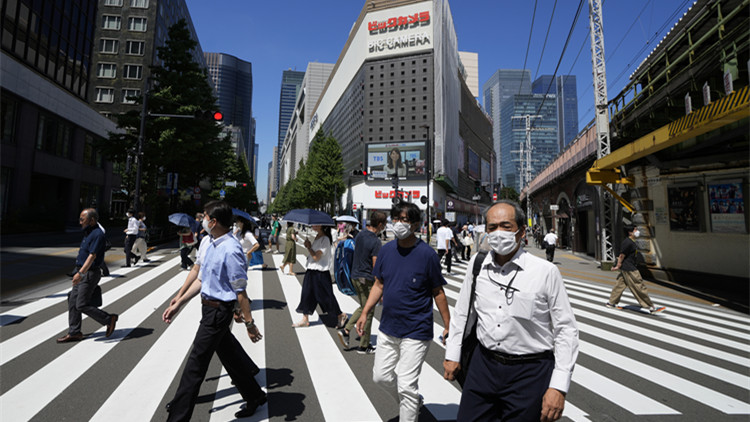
129	242
317	290
214	335
494	391
550	253
185	256
79	301
448	258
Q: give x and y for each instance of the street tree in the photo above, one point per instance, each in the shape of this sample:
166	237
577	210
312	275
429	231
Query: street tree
325	172
193	148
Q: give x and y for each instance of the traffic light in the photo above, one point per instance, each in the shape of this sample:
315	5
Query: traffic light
477	187
213	115
361	171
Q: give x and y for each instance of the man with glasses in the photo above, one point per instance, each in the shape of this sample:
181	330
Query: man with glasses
407	277
86	278
528	337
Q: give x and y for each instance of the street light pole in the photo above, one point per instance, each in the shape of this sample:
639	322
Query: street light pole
427	172
139	153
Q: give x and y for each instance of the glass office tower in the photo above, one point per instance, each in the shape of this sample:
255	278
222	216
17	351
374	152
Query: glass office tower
564	87
291	81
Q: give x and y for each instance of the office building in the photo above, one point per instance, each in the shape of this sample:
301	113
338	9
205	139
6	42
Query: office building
270	189
233	80
128	33
544	141
398	87
564	88
50	168
291	83
298	136
499	87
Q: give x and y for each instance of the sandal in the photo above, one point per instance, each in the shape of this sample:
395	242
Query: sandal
301	324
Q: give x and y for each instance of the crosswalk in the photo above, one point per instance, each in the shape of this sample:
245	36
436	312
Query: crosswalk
690	363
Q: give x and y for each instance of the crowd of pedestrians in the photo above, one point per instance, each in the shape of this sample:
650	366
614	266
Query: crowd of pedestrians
512	341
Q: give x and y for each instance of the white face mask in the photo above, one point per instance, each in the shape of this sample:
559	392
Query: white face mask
636	233
401	230
502	242
205	227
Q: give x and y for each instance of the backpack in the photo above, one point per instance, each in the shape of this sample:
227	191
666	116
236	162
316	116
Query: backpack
342	265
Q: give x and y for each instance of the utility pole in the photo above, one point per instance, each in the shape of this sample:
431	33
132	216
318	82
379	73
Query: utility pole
525	155
428	175
602	124
139	151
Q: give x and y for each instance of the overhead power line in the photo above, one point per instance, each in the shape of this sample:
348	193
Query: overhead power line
528	45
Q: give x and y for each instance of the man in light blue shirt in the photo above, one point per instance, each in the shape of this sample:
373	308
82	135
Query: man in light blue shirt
221	282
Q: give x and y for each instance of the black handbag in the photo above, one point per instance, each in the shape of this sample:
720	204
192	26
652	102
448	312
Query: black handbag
470	340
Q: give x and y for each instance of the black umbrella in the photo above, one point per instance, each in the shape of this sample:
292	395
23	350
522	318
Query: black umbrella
309	217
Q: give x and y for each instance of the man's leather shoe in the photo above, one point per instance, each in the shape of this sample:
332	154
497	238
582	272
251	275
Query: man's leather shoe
111	325
68	338
251	407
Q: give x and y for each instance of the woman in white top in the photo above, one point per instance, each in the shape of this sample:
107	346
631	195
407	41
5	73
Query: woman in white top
243	232
316	286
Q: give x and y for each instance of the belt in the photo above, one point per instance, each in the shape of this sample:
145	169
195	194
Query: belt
507	359
216	303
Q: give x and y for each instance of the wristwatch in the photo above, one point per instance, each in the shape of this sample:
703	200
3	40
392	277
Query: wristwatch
80	273
250	324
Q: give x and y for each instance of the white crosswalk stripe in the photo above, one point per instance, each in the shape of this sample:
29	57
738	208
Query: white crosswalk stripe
691	362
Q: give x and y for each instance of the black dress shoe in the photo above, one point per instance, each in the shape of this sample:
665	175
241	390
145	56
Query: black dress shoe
111	325
251	407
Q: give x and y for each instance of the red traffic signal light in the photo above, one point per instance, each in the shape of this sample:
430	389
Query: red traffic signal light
215	116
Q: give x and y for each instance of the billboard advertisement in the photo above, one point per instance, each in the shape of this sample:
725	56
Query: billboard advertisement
727	207
406	160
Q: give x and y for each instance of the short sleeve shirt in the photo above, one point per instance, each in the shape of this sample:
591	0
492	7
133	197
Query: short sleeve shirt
443	234
223	268
93	243
324	263
409	275
247	241
366	245
629	249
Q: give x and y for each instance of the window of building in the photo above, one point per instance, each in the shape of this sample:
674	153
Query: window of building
111	22
143	4
135	48
105	95
91	157
113	3
8	119
54	136
108	46
132	71
106	70
127	95
137	24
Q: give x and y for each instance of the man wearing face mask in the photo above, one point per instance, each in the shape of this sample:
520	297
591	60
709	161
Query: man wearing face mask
407	277
130	235
528	337
629	275
366	247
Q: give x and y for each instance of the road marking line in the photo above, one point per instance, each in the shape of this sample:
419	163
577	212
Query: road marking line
23	342
153	374
31	395
329	372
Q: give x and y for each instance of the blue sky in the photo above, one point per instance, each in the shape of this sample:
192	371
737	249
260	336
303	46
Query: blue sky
287	34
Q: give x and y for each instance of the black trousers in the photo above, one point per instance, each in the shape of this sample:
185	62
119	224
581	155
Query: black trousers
448	258
185	256
494	391
79	301
214	336
317	290
129	241
550	253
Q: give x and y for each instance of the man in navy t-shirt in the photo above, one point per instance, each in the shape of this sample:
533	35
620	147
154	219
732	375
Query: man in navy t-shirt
407	277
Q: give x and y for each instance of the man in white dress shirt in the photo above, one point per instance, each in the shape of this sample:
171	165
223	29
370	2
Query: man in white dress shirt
528	337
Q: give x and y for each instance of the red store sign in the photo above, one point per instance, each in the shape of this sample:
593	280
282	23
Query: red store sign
379	194
400	21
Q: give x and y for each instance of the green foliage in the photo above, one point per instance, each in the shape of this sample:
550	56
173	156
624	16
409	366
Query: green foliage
508	192
317	184
190	147
242	197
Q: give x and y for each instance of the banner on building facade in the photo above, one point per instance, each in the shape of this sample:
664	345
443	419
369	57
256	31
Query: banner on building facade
727	208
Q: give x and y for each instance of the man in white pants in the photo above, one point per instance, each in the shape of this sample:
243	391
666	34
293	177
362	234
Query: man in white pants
407	277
